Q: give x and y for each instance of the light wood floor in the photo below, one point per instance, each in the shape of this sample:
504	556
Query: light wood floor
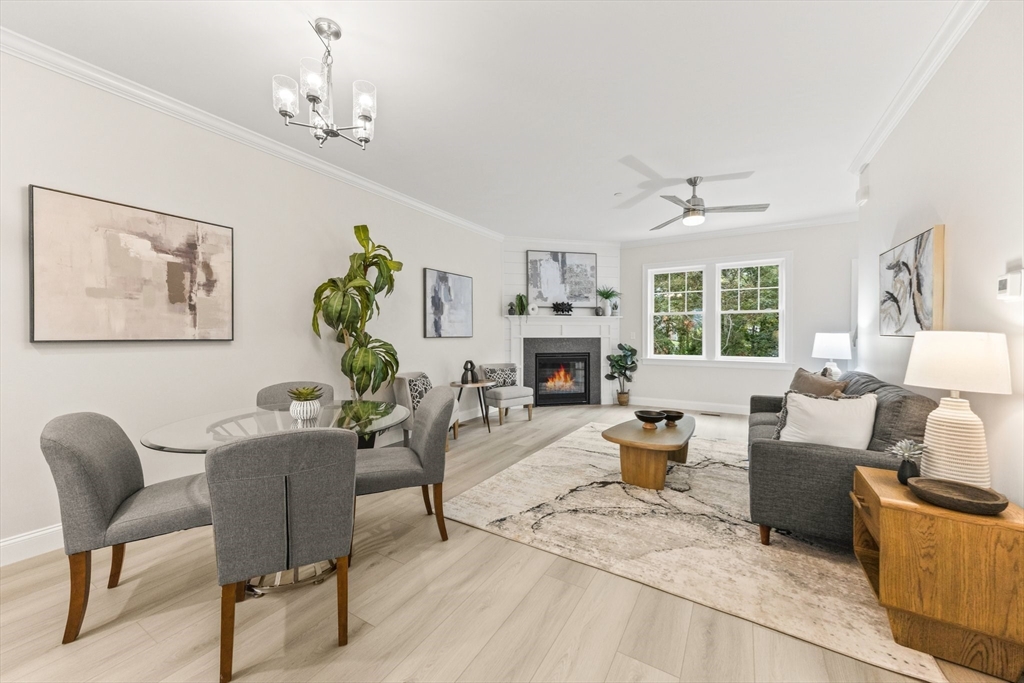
477	608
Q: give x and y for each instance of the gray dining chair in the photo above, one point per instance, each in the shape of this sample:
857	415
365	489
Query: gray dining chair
280	501
104	500
420	464
277	394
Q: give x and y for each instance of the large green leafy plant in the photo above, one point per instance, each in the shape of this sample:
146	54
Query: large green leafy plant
622	366
347	303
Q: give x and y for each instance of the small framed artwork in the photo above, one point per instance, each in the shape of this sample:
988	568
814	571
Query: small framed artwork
910	285
447	304
561	276
103	271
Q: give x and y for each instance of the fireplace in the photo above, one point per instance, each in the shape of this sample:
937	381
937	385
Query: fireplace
562	378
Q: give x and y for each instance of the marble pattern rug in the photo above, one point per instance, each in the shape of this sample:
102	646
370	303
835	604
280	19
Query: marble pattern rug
693	539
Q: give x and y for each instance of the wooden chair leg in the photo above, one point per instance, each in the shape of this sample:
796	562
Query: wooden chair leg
116	562
227	629
455	430
240	591
501	417
439	510
342	601
506	412
81	575
426	499
529	410
766	532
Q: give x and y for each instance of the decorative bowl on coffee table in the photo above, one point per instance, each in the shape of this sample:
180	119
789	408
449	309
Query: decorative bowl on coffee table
650	418
672	416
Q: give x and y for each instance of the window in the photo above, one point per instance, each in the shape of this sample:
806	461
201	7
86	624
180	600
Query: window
749	313
677	323
743	304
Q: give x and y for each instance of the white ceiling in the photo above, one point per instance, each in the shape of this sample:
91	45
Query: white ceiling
514	115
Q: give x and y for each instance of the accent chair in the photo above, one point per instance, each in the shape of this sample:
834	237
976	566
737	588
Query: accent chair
280	501
105	502
410	389
277	394
507	396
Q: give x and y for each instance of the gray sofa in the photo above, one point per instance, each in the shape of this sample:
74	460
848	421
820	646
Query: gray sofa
804	487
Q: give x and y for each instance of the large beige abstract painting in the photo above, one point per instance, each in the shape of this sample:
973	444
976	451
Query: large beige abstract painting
108	272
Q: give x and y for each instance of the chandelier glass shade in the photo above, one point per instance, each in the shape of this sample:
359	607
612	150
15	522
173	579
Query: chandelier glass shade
316	87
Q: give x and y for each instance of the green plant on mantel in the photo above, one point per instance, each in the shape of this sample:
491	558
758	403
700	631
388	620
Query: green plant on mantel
521	304
608	293
347	303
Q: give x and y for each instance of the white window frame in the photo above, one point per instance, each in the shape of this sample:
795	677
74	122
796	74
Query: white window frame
712	311
649	274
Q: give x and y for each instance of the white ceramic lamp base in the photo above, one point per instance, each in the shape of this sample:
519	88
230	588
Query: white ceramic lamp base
955	444
833	371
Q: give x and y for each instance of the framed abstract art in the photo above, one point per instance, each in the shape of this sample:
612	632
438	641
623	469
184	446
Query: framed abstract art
561	276
910	285
447	304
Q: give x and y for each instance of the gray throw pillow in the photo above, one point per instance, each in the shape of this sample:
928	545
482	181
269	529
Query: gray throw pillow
505	377
418	388
811	383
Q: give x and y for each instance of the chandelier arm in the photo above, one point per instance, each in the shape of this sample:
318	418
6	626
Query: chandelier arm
296	123
352	140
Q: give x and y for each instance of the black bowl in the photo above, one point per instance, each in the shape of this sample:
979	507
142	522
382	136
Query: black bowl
650	417
673	416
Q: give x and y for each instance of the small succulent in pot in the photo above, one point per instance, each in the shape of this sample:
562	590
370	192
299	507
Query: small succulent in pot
305	402
910	452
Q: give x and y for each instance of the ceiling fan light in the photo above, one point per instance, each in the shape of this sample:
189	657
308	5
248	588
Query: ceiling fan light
693	217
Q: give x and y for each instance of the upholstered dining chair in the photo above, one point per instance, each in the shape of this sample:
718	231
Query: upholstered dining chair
277	394
507	393
280	501
420	464
410	388
105	502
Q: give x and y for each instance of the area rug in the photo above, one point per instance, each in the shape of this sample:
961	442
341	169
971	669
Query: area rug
694	539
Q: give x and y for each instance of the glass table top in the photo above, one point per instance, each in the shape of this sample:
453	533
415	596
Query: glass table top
201	433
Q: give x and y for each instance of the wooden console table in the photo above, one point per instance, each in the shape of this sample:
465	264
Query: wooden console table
953	583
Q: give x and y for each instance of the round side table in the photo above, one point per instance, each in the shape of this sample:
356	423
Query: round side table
479	386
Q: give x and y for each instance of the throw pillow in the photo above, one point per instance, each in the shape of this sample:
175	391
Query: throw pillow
418	388
843	421
505	377
814	384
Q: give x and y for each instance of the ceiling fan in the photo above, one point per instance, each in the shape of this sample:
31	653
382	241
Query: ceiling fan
655	181
695	209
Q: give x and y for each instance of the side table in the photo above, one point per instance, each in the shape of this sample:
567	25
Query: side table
479	386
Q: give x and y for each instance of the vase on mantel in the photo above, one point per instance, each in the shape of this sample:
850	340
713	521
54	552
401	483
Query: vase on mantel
606	305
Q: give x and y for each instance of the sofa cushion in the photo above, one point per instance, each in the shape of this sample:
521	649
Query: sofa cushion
762	432
814	384
757	419
845	422
901	414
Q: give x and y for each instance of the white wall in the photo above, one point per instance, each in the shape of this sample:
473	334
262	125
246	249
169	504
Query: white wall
293	229
819	301
957	158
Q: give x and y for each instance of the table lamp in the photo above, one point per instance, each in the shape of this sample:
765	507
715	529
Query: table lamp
832	345
954	437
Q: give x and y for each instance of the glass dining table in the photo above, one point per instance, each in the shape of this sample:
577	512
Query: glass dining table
201	433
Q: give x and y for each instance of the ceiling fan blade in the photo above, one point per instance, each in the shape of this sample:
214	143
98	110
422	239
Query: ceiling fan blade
640	167
738	208
677	201
635	199
668	222
727	176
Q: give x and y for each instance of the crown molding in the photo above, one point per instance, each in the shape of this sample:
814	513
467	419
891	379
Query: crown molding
956	24
42	55
820	222
562	242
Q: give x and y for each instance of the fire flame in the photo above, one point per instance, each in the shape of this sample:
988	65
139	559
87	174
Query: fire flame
560	381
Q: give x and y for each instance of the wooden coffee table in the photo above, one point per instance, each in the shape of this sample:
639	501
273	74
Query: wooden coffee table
644	453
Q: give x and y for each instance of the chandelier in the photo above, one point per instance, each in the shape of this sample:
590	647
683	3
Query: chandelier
317	87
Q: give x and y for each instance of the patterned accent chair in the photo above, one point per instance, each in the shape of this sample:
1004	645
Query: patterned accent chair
508	393
277	394
410	390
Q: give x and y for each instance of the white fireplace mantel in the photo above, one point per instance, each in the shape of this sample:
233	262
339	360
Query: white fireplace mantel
606	328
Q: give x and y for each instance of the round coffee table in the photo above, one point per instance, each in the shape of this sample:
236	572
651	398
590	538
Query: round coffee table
644	453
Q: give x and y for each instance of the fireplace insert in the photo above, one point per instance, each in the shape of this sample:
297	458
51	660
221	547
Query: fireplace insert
562	378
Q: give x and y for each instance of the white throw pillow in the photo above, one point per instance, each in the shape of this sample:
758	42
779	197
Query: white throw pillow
846	422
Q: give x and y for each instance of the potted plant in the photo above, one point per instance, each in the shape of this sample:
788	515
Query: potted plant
910	453
347	303
607	295
622	366
305	402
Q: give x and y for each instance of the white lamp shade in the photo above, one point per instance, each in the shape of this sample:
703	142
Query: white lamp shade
832	345
960	361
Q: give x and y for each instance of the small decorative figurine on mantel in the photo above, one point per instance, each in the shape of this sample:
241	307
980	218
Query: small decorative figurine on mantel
562	308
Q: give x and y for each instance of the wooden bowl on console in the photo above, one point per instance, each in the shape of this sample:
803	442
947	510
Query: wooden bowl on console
673	416
650	418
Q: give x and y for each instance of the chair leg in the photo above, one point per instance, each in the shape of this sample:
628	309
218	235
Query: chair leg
426	500
455	430
529	410
506	412
342	601
81	575
352	543
240	591
227	629
439	511
766	532
501	417
116	562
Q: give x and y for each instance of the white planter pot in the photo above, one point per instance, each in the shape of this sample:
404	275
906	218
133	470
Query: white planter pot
305	410
607	306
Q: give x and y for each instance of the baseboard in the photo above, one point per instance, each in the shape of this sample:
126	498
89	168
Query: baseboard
30	544
692	406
